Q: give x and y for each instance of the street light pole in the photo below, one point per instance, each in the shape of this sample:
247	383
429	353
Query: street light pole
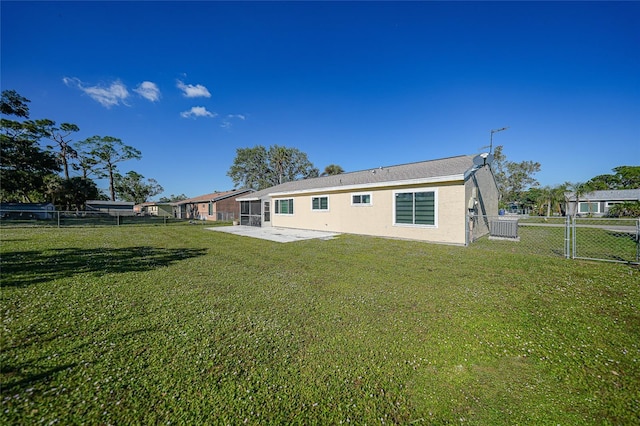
491	137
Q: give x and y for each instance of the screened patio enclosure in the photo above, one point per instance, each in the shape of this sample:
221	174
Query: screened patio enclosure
250	213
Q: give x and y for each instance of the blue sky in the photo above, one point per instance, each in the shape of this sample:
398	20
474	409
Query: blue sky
357	84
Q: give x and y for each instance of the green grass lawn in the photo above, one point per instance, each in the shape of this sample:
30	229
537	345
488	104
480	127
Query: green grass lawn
144	325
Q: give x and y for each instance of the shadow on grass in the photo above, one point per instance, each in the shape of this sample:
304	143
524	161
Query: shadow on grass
27	380
22	268
18	377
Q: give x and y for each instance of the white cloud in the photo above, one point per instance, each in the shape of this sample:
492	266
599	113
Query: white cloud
116	93
196	112
227	124
191	91
148	90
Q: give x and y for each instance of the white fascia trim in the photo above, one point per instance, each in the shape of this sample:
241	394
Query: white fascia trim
438	179
248	199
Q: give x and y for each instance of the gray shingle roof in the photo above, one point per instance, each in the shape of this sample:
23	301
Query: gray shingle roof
452	166
610	195
214	196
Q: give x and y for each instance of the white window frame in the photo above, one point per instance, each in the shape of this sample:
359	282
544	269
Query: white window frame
597	203
320	209
276	209
414	190
355	194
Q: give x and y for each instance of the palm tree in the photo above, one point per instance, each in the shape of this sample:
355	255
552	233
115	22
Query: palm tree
587	188
552	198
557	195
332	169
579	189
545	199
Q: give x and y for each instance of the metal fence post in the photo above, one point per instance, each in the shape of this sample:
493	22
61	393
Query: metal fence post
567	236
638	239
574	239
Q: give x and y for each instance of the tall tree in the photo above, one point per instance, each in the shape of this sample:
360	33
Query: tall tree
172	198
24	164
625	177
87	164
513	178
629	176
12	103
249	168
61	137
332	169
259	168
77	190
71	193
131	187
108	152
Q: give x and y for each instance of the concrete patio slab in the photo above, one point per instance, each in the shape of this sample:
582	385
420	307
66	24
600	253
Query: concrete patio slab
279	235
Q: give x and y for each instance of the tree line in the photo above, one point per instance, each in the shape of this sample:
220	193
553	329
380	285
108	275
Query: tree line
260	167
40	157
42	163
518	186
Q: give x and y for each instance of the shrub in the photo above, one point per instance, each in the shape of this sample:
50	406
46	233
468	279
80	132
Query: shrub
626	209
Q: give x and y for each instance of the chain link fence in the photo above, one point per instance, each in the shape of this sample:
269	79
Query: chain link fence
603	239
611	240
60	219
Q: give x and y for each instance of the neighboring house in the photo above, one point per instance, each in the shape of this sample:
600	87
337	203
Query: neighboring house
598	203
19	211
152	208
113	208
427	201
215	206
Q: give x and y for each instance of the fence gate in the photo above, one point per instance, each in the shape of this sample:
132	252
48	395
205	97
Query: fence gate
604	239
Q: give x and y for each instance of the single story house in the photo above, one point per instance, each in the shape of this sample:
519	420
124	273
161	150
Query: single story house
152	208
20	211
598	203
215	206
112	208
428	201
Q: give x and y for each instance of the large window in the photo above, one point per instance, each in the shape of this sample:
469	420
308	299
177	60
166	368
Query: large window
589	207
415	208
361	199
319	203
284	206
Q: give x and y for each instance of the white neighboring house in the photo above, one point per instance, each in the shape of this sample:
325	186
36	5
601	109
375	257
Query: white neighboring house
598	203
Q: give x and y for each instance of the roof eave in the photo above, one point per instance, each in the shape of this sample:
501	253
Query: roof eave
232	194
431	180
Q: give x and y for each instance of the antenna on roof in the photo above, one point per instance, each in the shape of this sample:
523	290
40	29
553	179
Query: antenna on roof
491	137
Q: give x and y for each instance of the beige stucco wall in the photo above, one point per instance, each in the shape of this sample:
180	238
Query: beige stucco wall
377	219
481	186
